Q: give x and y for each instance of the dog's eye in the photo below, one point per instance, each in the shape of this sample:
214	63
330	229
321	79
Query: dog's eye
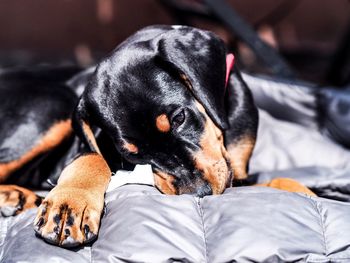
178	119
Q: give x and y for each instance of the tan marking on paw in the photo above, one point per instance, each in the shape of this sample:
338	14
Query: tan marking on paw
70	214
17	199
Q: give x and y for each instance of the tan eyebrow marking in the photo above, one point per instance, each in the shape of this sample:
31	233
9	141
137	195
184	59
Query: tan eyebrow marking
131	147
162	123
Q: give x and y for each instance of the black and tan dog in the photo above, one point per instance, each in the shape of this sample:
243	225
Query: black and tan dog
160	98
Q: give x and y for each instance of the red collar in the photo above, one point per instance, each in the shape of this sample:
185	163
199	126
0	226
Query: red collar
230	61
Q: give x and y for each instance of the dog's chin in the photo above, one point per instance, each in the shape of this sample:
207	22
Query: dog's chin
226	184
208	189
220	179
219	175
200	191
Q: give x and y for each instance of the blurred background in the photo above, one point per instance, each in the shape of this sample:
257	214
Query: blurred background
304	38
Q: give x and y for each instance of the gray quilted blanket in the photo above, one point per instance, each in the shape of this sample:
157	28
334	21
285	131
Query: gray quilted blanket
245	224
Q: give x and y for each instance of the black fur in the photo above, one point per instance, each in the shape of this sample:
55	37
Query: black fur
136	83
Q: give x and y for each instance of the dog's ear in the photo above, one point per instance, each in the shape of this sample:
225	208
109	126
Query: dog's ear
243	120
199	58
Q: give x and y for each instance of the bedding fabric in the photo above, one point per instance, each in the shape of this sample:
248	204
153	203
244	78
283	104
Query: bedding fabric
303	134
245	224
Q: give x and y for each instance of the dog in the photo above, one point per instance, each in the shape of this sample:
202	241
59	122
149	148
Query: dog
165	97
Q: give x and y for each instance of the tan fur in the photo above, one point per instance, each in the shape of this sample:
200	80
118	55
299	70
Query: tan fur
289	185
9	196
211	159
186	81
130	147
88	171
80	189
52	138
239	155
90	136
164	182
162	123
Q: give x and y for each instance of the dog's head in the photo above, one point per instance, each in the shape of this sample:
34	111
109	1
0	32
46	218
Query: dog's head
160	96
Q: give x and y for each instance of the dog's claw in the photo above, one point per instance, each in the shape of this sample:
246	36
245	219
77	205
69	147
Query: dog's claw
39	223
66	233
67	222
86	230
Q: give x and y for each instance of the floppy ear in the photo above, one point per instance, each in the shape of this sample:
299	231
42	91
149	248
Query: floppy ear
243	120
199	56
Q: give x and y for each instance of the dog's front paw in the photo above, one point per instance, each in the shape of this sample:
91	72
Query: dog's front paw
69	217
15	199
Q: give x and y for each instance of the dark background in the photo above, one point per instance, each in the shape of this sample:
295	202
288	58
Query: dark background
308	33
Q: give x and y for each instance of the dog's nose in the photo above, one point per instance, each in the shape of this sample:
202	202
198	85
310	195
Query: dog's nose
204	190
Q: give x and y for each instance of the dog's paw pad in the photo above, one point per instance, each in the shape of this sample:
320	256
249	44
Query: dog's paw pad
67	222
